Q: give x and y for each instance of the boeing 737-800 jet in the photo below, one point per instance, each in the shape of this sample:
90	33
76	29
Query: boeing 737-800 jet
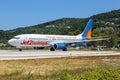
52	41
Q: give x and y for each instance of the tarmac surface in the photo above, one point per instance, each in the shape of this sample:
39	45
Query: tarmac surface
33	54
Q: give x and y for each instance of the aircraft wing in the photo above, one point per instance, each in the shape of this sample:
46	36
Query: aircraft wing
78	40
96	39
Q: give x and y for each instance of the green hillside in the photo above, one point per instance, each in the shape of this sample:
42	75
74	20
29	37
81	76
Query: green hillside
104	25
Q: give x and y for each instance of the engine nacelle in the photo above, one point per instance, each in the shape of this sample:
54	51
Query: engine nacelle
60	46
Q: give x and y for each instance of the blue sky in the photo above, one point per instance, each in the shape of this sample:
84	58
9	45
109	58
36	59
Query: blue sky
21	13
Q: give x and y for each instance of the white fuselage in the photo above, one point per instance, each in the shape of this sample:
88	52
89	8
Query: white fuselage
41	40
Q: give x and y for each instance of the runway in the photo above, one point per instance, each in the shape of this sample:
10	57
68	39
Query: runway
34	54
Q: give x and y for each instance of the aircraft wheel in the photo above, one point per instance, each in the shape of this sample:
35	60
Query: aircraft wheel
65	49
20	49
52	49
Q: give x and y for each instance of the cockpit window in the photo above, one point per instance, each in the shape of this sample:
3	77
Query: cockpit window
16	38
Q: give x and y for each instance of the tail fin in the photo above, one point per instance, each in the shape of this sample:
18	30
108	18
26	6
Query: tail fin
86	34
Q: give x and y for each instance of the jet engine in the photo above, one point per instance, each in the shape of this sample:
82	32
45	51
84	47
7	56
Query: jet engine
60	46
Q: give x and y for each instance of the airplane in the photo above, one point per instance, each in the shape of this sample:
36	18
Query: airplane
53	41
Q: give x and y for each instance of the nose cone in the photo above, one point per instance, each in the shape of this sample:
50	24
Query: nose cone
11	42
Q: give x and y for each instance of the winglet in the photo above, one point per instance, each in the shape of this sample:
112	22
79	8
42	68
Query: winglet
110	37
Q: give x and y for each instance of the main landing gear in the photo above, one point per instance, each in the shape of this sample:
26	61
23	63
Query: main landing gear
53	49
19	49
65	49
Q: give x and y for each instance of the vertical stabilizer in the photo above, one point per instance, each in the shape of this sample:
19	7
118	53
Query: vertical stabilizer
86	34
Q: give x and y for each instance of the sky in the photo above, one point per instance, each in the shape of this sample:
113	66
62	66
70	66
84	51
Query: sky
22	13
